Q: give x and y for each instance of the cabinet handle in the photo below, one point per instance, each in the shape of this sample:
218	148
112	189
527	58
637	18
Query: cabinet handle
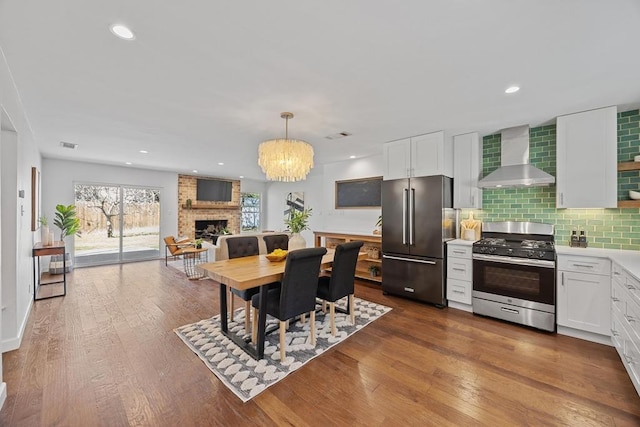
630	319
473	198
459	252
629	360
458	292
614	299
631	287
561	198
458	269
562	281
615	273
583	265
509	310
614	333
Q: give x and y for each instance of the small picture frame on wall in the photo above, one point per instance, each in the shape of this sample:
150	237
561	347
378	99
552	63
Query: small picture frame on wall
35	198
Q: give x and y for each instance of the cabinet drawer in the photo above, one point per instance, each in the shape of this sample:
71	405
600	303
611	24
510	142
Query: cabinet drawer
458	268
458	251
584	264
459	290
618	298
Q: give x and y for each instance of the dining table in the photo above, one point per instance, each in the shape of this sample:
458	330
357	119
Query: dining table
246	273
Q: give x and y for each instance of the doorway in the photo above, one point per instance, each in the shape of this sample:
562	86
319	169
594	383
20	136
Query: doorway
118	224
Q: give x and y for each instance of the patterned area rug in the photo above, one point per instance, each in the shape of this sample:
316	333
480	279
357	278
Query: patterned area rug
247	377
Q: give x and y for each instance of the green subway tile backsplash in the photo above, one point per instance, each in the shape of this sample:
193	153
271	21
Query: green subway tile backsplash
605	228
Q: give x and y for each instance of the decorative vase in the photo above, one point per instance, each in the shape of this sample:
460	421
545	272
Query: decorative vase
44	235
296	241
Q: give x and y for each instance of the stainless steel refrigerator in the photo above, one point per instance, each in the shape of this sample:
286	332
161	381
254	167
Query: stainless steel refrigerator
417	220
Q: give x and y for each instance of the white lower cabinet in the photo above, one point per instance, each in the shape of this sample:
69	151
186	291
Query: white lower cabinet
584	294
459	275
625	321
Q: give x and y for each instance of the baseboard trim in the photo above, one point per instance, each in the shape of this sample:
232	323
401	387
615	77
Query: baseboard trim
14	343
460	306
587	336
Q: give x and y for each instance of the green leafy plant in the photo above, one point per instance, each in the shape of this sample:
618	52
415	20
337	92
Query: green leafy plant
66	221
374	270
43	220
198	243
298	220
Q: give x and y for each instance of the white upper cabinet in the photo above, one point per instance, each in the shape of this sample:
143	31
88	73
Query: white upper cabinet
467	164
586	171
422	155
397	159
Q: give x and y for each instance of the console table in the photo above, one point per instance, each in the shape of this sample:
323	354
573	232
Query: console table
369	267
56	248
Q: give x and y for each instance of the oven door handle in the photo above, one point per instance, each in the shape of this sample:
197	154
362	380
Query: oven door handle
515	261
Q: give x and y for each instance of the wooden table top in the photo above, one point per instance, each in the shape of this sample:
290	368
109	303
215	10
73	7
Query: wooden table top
249	272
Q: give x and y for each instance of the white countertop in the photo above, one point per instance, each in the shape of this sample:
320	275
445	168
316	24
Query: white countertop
461	242
629	260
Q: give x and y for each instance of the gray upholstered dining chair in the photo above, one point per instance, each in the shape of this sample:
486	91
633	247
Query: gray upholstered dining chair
296	294
276	241
341	282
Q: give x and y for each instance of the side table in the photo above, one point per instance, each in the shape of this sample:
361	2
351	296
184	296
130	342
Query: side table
56	248
193	257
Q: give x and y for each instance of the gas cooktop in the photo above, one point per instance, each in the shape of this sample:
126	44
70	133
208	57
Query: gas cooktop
511	239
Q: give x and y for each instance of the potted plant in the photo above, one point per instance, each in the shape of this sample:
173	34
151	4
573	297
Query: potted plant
198	243
378	229
297	222
374	270
66	221
189	203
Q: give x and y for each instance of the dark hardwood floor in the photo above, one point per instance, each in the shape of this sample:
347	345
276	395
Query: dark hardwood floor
106	354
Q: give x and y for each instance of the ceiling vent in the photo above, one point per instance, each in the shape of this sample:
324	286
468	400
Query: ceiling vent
338	135
69	145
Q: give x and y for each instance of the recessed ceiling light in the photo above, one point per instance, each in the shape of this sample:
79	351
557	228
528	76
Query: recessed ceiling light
241	176
144	151
220	163
512	89
122	32
195	171
352	157
127	163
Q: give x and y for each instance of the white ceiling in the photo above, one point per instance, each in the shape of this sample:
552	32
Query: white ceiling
205	81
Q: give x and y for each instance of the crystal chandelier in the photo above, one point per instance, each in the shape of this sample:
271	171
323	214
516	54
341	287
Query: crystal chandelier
285	159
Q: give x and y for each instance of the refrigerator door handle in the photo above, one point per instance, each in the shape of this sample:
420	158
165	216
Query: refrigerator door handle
412	200
404	216
397	258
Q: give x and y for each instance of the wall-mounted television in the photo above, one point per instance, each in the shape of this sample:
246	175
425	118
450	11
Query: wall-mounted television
213	190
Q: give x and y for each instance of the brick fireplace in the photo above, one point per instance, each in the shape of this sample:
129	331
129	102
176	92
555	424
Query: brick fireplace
205	211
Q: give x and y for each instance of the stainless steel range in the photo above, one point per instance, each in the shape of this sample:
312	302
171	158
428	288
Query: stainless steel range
514	275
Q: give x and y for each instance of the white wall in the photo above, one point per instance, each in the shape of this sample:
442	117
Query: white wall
319	189
60	176
16	216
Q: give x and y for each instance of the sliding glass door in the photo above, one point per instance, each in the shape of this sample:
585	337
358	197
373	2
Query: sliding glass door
118	224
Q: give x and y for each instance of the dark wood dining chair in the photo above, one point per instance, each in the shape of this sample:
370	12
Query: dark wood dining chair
276	241
296	294
340	283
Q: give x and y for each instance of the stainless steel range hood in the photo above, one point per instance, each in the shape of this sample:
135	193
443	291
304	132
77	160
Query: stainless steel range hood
515	170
